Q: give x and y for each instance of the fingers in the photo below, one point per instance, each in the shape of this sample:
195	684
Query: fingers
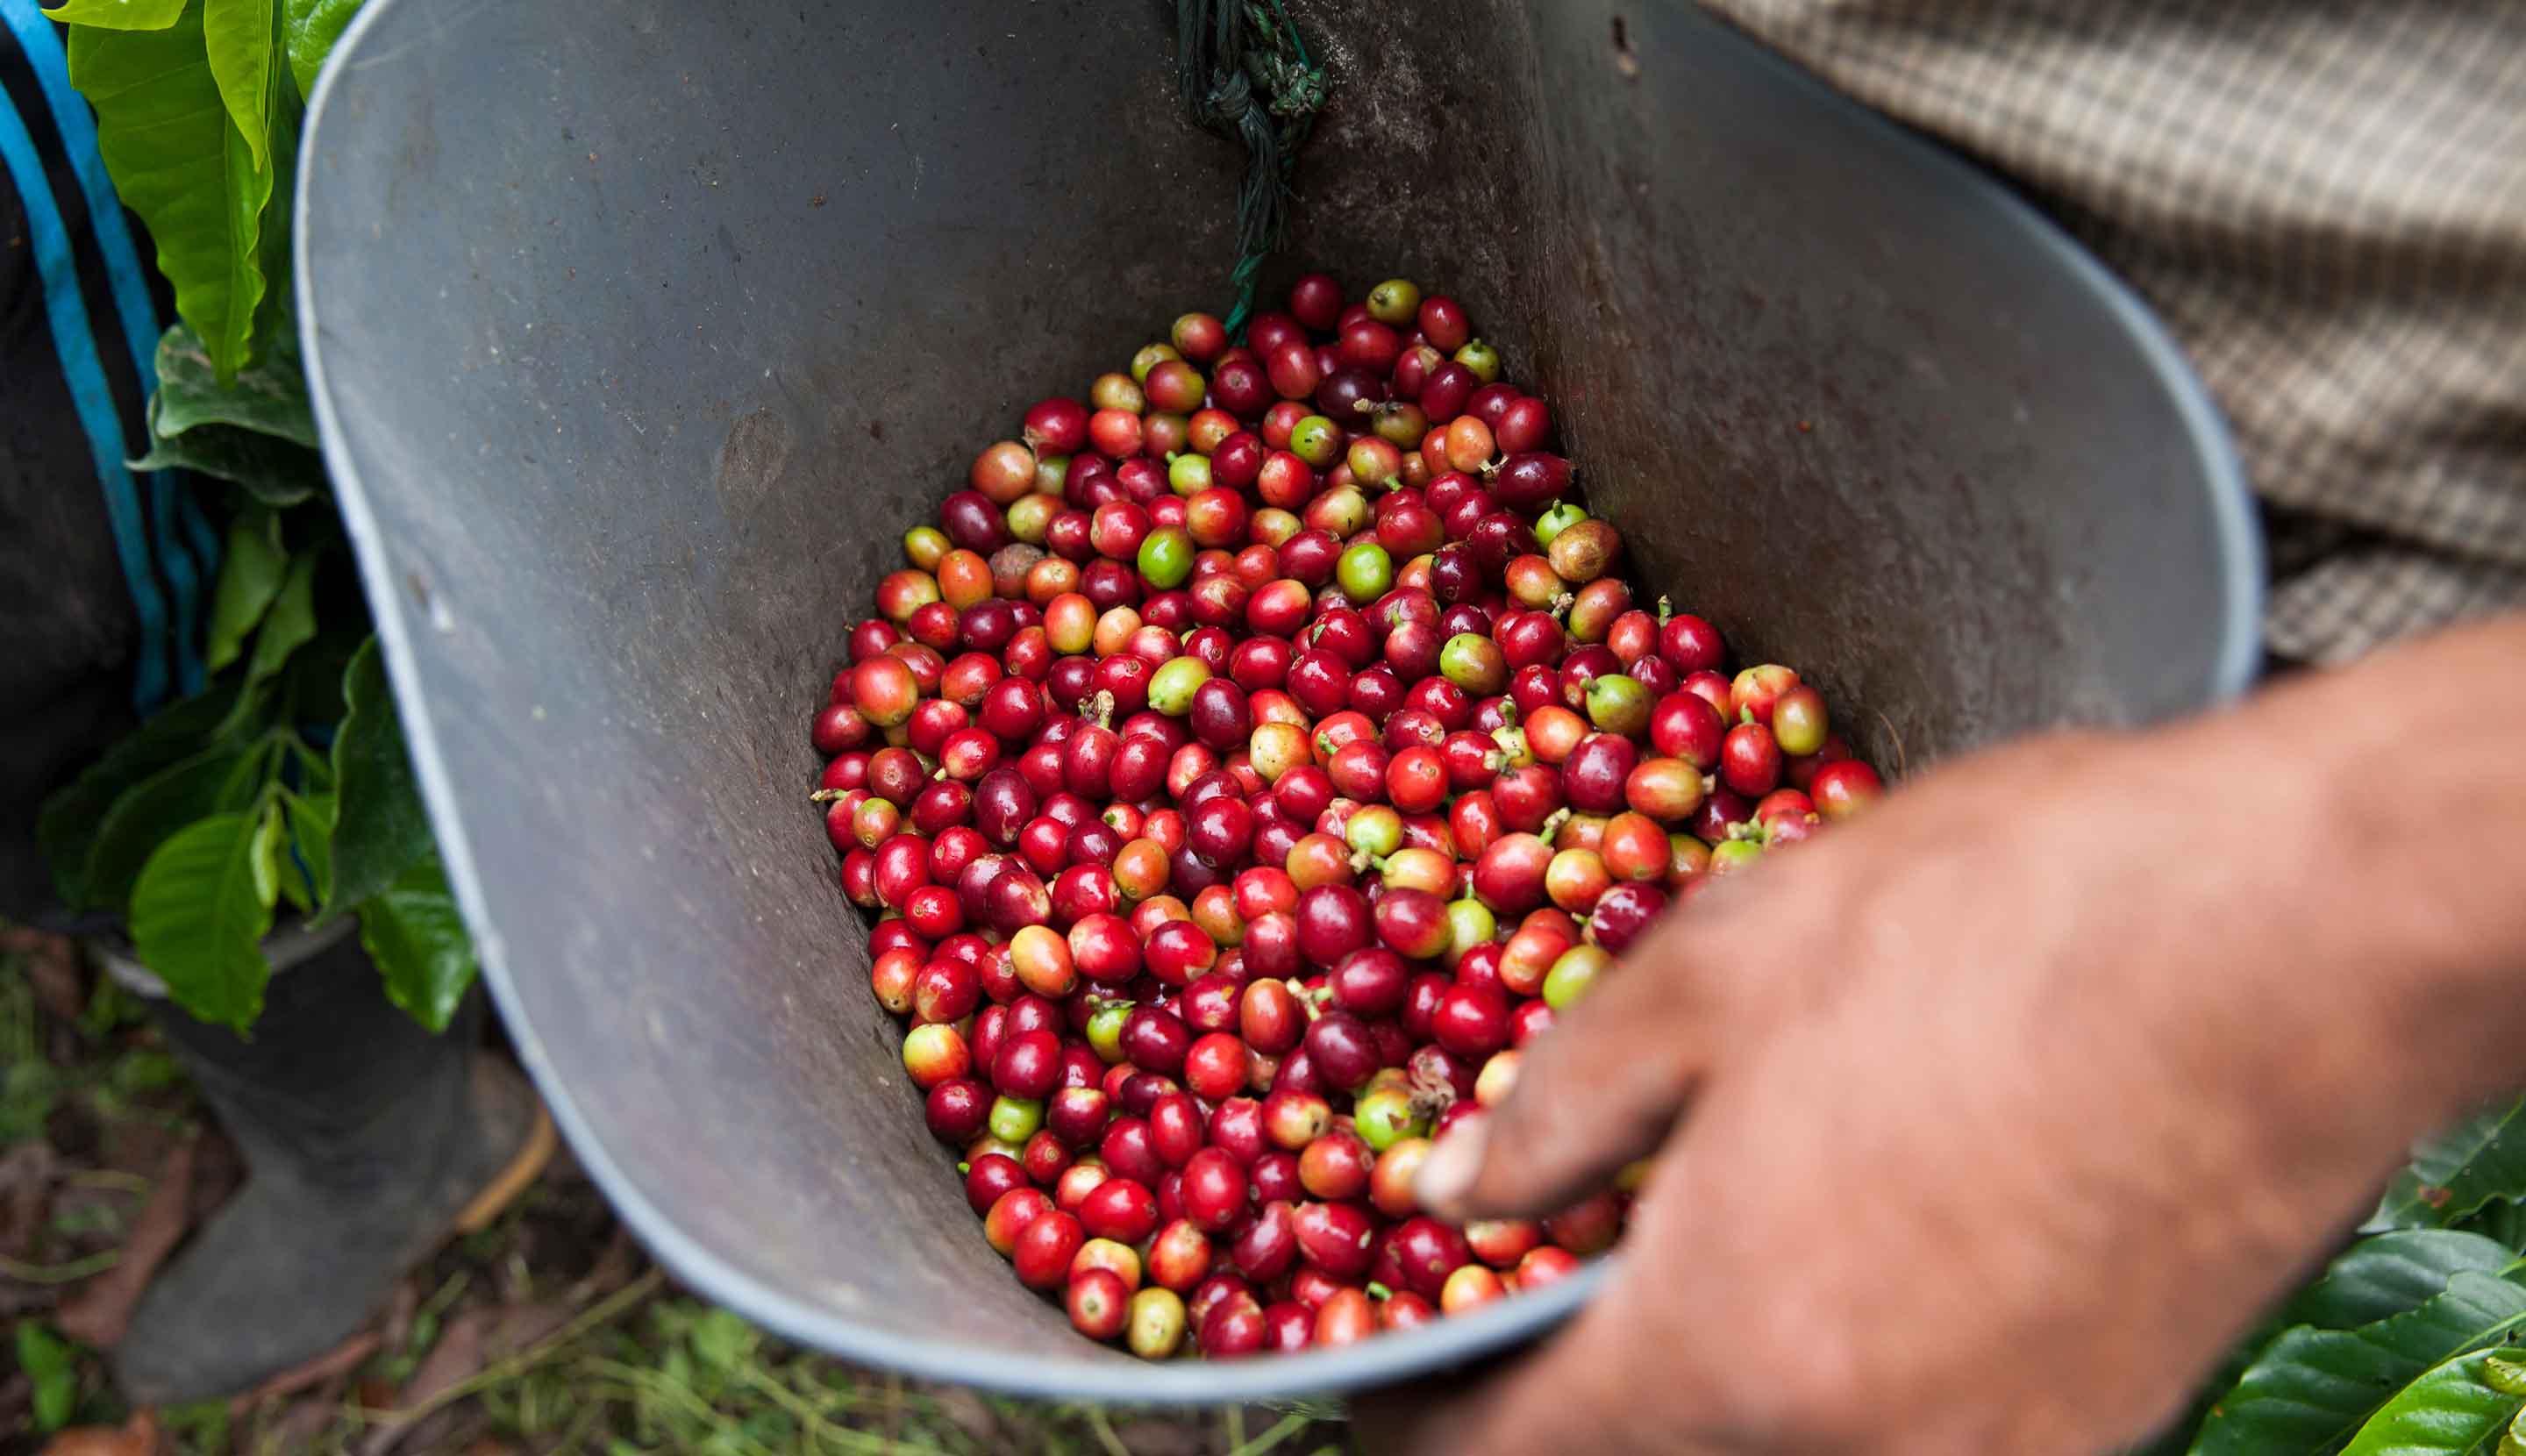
1456	1414
1564	1395
1616	1380
1602	1090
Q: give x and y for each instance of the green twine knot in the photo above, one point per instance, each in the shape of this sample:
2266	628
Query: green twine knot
1230	101
1225	55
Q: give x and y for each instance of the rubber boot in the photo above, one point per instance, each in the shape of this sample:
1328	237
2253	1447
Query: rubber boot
364	1139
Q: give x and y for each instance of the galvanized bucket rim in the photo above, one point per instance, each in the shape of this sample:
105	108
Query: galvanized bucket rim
1095	1375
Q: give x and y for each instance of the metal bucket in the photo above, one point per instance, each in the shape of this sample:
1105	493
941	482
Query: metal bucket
639	331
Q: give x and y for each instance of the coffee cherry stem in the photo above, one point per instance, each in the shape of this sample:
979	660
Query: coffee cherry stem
1431	1093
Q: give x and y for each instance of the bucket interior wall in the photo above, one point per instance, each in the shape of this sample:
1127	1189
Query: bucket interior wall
643	330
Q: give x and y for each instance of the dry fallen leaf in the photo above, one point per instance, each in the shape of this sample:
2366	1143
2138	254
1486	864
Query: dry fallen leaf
396	1328
25	1178
101	1311
471	1341
613	1269
332	1365
307	1416
459	1353
458	1356
521	1326
137	1436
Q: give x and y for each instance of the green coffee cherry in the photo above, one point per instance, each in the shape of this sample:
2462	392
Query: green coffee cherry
1365	571
1557	520
1735	855
1394	302
1470	922
1386	1117
1375	830
1106	1031
1015	1119
1618	704
1573	975
1172	686
1474	663
1189	474
1166	556
1316	440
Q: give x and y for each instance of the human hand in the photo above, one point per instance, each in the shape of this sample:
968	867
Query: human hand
1981	1125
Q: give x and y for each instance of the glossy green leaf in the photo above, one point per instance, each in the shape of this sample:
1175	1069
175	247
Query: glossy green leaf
311	836
381	830
309	28
117	15
156	809
242	39
275	331
2502	1221
2385	1275
315	775
2312	1389
272	472
413	932
250	573
314	677
201	910
2450	1410
52	1377
2458	1171
2175	1439
290	622
66	830
179	162
270	398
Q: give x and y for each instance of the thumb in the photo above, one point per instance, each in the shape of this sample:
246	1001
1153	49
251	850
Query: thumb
1602	1091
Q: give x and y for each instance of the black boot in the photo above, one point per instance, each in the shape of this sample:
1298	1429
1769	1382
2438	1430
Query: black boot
365	1137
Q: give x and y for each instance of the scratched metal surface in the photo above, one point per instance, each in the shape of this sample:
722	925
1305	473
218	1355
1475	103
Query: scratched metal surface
641	329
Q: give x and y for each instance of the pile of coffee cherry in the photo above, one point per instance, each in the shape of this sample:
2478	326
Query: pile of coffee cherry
1252	759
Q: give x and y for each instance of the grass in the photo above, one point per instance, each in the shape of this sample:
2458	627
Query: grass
648	1370
624	1362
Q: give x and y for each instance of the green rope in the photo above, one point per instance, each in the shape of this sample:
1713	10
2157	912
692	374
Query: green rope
1243	71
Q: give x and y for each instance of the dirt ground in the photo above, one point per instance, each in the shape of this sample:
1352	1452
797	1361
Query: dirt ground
548	1332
